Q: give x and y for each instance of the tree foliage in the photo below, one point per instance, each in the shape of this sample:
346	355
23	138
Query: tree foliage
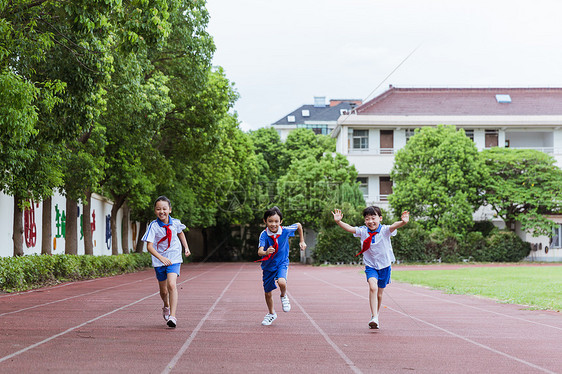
523	186
311	185
437	177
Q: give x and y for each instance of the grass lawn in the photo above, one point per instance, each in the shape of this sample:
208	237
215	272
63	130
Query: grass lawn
539	287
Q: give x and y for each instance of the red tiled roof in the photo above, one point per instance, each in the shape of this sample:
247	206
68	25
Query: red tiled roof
464	101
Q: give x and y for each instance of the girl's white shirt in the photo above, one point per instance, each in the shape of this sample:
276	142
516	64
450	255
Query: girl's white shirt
154	233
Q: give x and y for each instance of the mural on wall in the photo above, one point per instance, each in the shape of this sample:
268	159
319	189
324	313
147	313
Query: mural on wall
93	224
60	224
108	231
29	226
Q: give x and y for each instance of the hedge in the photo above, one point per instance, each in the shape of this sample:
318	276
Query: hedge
27	272
413	243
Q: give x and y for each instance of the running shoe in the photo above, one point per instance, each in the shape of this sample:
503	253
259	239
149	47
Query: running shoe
268	319
172	322
374	323
286	303
166	313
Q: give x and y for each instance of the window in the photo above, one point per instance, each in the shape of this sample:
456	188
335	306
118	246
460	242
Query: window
364	185
469	134
360	139
409	134
491	138
387	142
385	187
317	129
556	240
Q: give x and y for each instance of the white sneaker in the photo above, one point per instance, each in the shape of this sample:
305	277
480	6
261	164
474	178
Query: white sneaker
286	303
166	313
268	319
374	323
172	322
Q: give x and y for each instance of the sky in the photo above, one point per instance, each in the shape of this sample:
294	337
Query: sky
280	54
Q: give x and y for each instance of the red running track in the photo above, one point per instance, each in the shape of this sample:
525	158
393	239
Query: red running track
115	325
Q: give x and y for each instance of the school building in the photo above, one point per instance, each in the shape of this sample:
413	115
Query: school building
530	118
320	117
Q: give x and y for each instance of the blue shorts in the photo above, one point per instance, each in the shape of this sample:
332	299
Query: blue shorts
269	277
162	271
382	275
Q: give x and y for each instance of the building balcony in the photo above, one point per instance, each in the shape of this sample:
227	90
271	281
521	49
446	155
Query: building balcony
372	151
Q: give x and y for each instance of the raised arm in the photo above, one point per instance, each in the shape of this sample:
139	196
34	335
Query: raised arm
338	215
404	219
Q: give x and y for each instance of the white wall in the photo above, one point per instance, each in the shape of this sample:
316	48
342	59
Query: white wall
100	210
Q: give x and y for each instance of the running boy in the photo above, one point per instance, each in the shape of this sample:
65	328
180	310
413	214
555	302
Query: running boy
377	252
274	247
162	242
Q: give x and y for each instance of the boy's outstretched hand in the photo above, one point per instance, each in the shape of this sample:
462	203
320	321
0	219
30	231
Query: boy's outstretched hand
338	215
405	217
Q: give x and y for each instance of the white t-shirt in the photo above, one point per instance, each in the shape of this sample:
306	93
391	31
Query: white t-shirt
154	233
380	254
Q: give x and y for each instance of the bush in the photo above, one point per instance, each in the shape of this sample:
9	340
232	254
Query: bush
472	246
504	246
410	244
26	272
413	243
336	245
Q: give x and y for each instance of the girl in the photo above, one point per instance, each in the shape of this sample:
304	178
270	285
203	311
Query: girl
163	244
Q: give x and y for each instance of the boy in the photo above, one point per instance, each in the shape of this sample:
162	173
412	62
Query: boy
275	261
377	252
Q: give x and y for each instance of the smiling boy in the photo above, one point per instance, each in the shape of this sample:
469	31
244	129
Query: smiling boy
377	252
274	248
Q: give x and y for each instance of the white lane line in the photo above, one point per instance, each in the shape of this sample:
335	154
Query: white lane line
475	307
72	297
187	343
445	330
347	360
86	323
482	309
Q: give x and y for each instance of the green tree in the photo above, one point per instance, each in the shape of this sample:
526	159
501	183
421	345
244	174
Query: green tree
437	177
270	149
303	143
311	186
29	161
523	186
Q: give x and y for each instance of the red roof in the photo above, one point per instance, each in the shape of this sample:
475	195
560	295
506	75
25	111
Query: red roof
464	101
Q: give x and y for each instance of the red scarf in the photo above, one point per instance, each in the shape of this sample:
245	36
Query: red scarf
168	233
275	246
367	242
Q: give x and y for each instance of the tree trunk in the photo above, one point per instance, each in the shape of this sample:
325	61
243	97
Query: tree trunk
46	234
87	226
17	236
140	243
125	229
113	220
71	238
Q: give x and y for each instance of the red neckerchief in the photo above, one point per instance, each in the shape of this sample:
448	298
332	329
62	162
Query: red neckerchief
367	242
168	232
275	246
